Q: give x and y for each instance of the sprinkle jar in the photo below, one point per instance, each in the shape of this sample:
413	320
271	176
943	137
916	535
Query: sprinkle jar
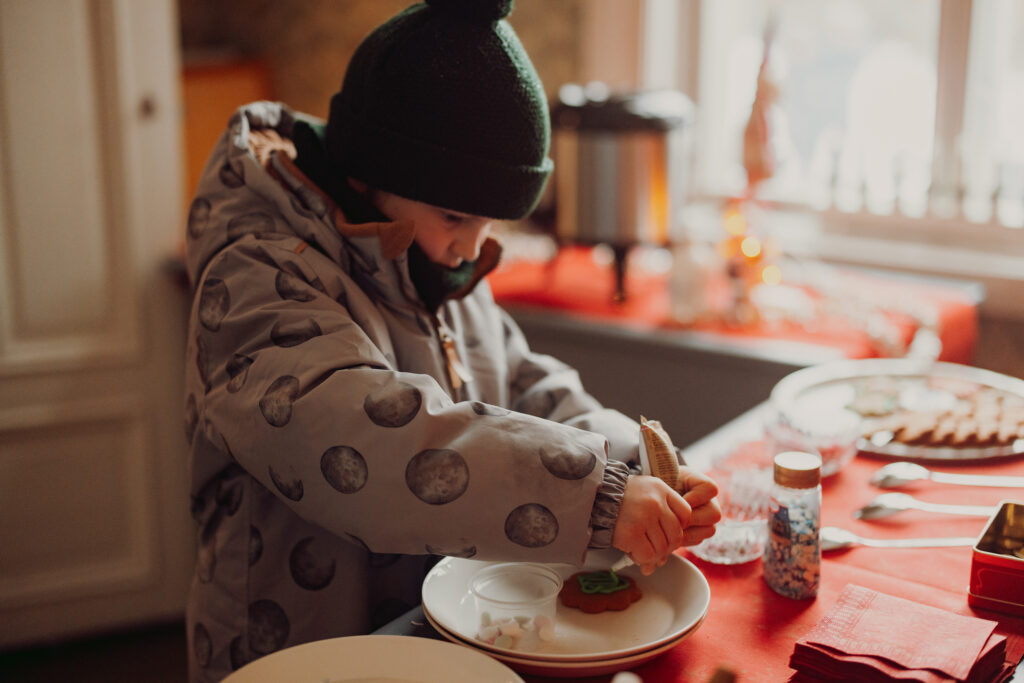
792	556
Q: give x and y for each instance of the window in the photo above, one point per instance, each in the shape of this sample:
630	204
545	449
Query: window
993	137
908	111
854	119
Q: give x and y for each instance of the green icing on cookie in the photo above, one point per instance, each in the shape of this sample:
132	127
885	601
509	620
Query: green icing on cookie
601	582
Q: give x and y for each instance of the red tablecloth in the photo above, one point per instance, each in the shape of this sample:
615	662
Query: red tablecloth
574	282
752	630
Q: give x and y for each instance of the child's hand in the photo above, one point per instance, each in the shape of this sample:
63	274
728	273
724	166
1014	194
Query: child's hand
652	522
699	492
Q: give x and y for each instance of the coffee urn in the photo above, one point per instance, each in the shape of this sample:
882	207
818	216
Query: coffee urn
621	168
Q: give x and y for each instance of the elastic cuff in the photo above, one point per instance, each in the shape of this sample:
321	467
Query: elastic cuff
606	504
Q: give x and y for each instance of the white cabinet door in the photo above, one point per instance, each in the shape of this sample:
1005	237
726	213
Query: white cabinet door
94	529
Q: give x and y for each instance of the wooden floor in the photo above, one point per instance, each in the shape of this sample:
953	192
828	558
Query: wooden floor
151	655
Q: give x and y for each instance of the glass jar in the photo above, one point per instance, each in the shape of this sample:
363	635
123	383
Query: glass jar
792	556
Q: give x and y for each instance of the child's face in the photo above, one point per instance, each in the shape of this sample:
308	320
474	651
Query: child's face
446	237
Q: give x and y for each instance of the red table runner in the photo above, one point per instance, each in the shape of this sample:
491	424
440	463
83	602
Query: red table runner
574	282
752	630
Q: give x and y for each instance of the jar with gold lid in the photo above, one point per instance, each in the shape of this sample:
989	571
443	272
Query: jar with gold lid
792	556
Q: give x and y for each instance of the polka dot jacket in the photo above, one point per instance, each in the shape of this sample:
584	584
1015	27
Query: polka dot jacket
334	453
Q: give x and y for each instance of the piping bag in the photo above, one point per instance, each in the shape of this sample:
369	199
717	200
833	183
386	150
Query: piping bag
658	459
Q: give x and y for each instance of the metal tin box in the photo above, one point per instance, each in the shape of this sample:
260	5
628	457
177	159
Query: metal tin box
997	563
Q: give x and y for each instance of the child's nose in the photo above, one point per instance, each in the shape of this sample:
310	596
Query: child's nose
467	246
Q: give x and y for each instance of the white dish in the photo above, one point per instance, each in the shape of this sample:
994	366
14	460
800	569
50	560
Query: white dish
913	384
675	600
568	669
366	658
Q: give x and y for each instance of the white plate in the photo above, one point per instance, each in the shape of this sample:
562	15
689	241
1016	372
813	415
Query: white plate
397	659
568	669
675	600
833	386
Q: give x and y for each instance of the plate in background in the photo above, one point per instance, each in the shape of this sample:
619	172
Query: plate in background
883	389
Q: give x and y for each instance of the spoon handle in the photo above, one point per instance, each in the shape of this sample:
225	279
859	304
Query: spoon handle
967	510
977	480
918	542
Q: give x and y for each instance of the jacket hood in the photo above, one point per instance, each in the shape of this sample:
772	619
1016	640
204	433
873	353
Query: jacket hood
252	189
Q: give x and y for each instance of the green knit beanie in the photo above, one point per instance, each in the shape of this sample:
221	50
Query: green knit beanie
441	104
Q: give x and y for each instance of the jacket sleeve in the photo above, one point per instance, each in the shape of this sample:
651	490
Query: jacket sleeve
310	404
547	387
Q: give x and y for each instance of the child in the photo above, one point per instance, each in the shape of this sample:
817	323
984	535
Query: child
356	403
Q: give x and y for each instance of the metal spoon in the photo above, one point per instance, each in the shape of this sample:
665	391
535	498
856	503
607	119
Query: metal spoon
897	474
888	504
834	538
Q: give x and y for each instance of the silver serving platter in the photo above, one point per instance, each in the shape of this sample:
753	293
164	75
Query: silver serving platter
836	385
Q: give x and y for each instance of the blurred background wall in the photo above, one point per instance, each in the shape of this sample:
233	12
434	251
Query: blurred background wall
306	46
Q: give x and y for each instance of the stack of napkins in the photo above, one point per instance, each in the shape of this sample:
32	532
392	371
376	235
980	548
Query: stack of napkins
869	636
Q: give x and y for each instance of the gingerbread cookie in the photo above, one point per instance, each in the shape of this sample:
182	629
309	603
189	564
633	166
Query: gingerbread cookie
577	591
987	417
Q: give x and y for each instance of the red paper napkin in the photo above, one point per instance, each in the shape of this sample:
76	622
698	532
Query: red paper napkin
870	636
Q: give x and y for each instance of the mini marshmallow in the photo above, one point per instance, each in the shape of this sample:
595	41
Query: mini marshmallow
504	642
489	633
545	627
510	628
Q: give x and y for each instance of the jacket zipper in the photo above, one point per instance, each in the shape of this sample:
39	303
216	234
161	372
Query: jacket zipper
458	373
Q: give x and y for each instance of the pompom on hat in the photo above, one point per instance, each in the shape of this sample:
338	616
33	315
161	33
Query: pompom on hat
442	105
